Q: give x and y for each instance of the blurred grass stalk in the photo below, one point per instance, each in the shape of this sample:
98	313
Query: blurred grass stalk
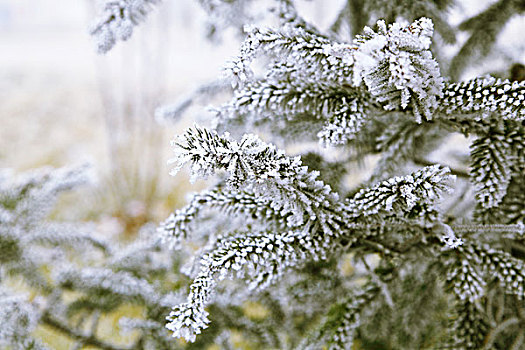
131	82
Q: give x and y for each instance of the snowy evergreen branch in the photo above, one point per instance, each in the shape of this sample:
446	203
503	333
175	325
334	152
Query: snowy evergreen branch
292	87
470	277
507	270
18	318
30	196
449	277
117	21
61	234
397	67
289	98
173	112
468	328
491	166
257	166
288	15
402	142
341	108
31	246
466	281
496	156
510	210
26	201
484	95
224	14
105	282
143	259
266	255
401	194
478	266
176	226
410	10
289	44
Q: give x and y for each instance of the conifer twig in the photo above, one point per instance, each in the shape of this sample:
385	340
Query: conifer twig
453	171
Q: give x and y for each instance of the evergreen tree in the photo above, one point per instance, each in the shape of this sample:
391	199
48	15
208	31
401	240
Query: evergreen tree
421	255
382	93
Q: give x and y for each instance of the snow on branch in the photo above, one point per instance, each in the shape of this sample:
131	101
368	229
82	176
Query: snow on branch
491	168
103	282
31	195
465	281
510	209
401	194
341	107
176	226
117	21
314	74
255	166
396	65
468	327
470	274
66	234
501	266
485	95
227	14
343	125
263	254
25	203
288	15
173	112
310	53
18	318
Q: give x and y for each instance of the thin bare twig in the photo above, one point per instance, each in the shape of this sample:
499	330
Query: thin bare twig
51	321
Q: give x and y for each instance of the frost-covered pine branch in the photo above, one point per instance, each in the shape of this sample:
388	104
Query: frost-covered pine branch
256	166
401	194
481	96
177	225
252	164
336	82
343	319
